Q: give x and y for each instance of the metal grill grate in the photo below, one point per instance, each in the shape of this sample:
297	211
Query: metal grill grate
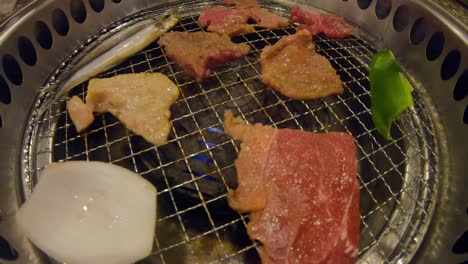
194	170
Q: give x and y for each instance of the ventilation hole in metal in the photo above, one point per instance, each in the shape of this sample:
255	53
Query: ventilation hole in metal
401	18
116	1
450	65
43	35
382	8
364	4
465	116
12	69
7	251
78	11
5	94
435	46
27	51
97	5
418	31
60	22
461	245
461	88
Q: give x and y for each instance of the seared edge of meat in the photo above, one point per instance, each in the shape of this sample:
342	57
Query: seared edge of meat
249	195
81	114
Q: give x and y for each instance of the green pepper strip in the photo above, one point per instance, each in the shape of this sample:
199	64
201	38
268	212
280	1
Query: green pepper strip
390	91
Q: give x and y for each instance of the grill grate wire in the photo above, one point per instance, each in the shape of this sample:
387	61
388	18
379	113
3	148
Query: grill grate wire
197	150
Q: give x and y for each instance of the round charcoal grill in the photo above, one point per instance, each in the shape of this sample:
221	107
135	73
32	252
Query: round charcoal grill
413	202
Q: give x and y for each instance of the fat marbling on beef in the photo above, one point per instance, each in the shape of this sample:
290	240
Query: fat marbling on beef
331	26
293	68
302	192
198	52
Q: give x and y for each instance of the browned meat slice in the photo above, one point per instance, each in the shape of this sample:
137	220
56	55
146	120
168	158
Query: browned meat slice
141	101
234	21
267	19
80	113
225	21
330	25
262	17
198	52
213	16
302	190
293	68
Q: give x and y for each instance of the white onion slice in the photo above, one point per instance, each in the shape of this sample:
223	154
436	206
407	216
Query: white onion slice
90	212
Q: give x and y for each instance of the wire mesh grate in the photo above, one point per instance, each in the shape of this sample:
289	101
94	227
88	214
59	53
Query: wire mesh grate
194	170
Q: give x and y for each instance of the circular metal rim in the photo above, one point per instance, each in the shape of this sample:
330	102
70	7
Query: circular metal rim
404	255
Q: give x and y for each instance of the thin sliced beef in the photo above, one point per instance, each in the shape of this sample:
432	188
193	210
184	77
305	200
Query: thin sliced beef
302	190
267	19
225	21
330	25
251	194
234	22
293	68
213	15
198	52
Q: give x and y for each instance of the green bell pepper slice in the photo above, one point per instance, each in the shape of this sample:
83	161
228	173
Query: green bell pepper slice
390	91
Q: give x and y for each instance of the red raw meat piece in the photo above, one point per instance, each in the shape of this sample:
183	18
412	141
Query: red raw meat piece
198	52
330	25
306	206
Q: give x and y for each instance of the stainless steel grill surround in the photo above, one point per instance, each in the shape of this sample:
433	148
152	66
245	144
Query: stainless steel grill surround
431	134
